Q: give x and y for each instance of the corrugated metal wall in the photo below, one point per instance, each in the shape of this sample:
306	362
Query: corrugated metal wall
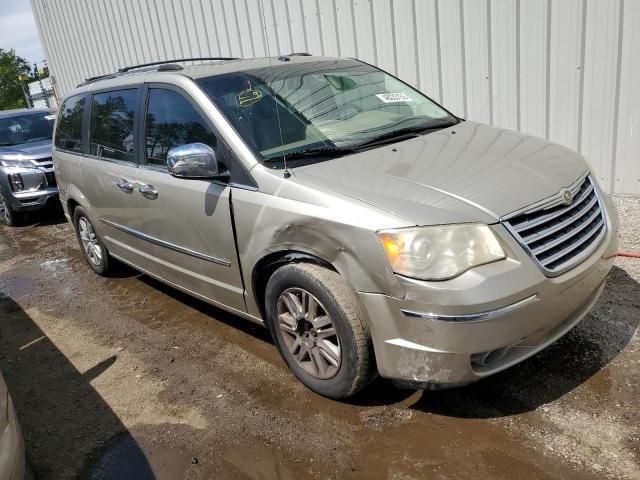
566	70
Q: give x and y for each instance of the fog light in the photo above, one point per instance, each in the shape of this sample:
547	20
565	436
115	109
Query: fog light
15	179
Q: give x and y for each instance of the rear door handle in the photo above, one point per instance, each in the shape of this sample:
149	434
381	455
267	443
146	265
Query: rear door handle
125	186
148	191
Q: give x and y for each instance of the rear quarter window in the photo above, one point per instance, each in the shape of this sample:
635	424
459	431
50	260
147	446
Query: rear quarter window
69	127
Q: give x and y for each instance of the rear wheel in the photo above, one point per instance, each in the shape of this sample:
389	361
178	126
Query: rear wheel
8	215
319	327
92	245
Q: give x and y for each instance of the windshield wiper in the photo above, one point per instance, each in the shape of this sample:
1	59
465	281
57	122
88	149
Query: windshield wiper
401	134
320	152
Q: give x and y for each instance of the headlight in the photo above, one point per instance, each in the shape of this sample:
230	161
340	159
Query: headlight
439	252
17	163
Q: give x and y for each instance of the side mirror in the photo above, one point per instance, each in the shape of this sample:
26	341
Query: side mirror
193	160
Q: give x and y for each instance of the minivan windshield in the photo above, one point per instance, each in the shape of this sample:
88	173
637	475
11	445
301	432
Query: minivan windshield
325	108
27	128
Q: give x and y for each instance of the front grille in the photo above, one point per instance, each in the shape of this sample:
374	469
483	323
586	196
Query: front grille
44	161
559	237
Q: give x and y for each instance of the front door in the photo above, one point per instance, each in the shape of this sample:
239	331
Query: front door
188	221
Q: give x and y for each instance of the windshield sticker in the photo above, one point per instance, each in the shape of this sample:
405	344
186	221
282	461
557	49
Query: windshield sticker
248	97
394	97
49	117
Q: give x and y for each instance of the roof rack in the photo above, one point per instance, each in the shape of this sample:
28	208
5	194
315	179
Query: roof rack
163	62
164	65
285	58
97	77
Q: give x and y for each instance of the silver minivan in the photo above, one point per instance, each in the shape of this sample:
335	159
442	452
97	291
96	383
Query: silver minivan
372	231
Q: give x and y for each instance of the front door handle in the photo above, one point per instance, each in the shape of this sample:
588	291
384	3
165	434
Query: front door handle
148	191
125	186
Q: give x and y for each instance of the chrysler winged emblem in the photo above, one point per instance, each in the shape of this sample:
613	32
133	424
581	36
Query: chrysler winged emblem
567	196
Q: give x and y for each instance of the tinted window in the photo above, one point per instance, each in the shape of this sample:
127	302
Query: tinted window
112	120
69	129
172	121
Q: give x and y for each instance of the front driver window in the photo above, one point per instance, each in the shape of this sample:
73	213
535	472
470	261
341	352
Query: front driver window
172	121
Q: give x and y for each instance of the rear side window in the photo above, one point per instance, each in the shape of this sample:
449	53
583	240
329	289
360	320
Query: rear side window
69	128
113	116
172	121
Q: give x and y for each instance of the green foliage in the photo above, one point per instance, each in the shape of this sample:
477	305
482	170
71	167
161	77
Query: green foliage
11	68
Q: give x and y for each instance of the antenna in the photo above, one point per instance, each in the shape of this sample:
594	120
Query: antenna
286	172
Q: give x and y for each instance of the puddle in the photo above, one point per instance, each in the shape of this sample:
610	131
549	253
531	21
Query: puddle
55	264
262	463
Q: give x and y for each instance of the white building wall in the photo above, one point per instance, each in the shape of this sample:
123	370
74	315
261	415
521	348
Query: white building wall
566	70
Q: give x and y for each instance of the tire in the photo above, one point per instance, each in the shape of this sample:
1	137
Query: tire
8	215
305	345
91	244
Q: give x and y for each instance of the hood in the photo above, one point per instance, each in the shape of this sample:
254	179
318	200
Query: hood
29	151
466	173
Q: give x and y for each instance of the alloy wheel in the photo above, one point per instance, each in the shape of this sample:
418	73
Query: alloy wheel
90	241
4	211
309	333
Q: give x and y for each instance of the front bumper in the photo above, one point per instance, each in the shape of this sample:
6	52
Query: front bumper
458	331
39	188
12	455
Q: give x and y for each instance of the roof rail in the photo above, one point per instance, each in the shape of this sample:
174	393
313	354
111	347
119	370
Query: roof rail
164	65
96	78
285	58
162	62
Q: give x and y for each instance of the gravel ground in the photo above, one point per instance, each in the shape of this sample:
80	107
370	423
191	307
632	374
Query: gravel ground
124	377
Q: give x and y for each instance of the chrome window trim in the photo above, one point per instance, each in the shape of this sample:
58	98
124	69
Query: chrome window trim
125	163
472	317
169	245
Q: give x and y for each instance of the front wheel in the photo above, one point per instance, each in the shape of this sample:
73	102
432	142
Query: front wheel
92	245
8	215
318	324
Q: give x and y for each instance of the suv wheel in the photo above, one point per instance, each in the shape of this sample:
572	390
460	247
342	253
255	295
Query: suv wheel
319	327
92	246
8	215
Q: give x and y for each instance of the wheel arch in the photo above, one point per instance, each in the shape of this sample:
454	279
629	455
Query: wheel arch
268	264
72	204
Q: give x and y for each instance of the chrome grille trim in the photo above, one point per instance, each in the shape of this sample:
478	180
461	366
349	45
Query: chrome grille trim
551	216
558	237
44	164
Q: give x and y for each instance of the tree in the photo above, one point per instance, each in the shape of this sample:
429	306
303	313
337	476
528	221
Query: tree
11	68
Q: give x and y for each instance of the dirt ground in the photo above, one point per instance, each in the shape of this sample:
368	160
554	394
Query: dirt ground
125	378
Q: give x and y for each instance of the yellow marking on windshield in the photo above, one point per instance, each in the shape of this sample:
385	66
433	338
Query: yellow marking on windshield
248	96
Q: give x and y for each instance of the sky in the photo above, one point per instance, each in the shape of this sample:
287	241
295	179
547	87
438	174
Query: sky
18	30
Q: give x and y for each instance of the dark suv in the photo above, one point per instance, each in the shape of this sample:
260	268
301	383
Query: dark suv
27	181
